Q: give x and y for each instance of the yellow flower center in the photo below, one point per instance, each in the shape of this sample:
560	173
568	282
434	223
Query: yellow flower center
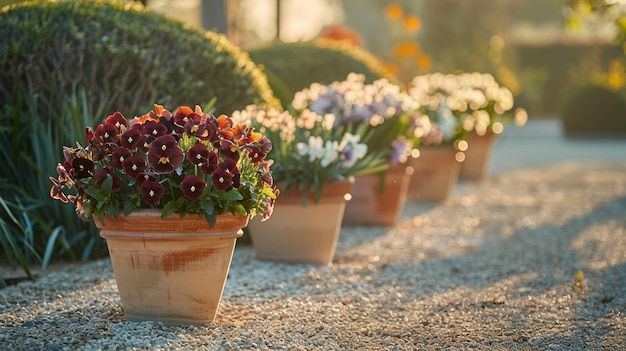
151	193
198	156
106	135
164	160
163	147
193	188
154	132
134	167
121	159
194	128
130	140
221	180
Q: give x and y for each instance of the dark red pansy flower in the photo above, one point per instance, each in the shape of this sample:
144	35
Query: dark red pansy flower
165	154
211	128
181	116
229	150
266	144
211	163
192	187
134	166
102	174
256	155
230	166
151	191
198	154
106	133
154	129
82	168
222	179
196	125
117	120
142	177
119	156
131	138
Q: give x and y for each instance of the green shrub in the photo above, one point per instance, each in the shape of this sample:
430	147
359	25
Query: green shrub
122	54
291	67
593	110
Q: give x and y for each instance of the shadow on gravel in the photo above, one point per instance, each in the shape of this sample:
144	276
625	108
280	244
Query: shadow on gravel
550	246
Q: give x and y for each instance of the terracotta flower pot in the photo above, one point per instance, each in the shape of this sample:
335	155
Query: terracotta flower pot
435	174
170	270
302	234
478	156
378	204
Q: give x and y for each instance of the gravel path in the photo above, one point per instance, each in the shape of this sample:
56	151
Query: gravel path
494	268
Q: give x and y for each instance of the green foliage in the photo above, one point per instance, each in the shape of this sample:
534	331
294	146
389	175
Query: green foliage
121	54
294	66
593	110
34	228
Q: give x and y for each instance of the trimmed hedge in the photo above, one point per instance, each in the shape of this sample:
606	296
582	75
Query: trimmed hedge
123	56
291	67
593	110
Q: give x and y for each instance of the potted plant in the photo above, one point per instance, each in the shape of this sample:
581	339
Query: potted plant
482	108
315	163
437	164
170	192
395	129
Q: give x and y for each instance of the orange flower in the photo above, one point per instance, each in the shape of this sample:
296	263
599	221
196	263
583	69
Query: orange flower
412	23
406	48
391	68
342	33
394	12
424	62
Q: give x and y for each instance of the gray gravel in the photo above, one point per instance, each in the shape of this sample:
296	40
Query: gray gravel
493	268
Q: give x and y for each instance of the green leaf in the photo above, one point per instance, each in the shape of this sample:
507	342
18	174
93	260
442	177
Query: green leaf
107	184
208	208
169	209
212	219
237	207
231	195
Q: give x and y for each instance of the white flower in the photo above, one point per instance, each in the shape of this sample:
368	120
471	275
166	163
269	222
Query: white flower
351	150
314	148
329	153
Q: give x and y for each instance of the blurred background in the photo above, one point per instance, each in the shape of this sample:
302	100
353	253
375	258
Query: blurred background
542	50
539	49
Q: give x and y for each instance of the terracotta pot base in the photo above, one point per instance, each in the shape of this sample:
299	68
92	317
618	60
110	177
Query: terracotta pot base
372	205
478	157
298	234
435	174
170	270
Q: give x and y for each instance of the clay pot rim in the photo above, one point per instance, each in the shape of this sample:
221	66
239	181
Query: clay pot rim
148	223
334	191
